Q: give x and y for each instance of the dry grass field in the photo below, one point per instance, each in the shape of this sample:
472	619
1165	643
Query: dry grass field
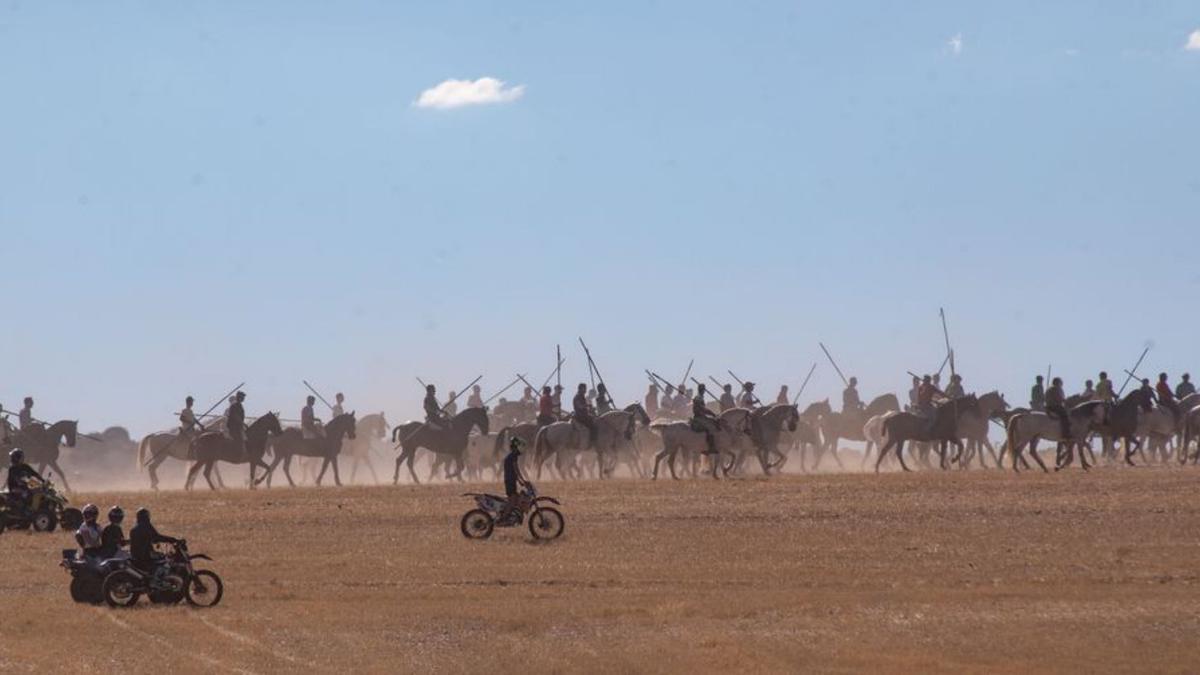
931	572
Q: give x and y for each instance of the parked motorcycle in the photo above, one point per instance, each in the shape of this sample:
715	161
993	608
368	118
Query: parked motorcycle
175	579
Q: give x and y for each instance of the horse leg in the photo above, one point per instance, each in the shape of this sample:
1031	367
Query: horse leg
208	468
990	448
412	457
191	476
61	474
337	478
371	468
1033	453
287	470
883	453
321	474
900	454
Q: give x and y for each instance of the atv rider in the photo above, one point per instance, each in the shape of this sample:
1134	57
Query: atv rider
88	534
19	474
112	538
142	539
513	478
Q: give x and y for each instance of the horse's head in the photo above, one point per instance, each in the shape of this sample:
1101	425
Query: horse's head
883	403
793	417
819	408
639	413
472	418
66	430
271	422
965	404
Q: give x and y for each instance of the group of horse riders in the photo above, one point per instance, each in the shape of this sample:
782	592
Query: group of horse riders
1054	402
234	417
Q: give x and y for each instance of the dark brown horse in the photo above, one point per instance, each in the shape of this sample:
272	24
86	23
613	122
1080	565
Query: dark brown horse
213	446
849	425
412	436
292	443
40	444
1122	421
905	426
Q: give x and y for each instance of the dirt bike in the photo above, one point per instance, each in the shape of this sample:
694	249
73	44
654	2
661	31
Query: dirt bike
544	522
47	508
175	579
88	574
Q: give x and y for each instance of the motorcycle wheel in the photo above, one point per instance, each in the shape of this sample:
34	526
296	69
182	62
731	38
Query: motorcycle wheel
45	521
477	524
86	589
72	518
546	524
171	596
204	589
118	589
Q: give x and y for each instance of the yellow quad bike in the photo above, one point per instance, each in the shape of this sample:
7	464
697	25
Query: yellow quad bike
47	510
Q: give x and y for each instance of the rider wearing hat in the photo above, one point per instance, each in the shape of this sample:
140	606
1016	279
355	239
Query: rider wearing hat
747	399
1185	387
18	475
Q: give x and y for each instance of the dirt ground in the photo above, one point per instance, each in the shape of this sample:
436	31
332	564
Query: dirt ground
930	572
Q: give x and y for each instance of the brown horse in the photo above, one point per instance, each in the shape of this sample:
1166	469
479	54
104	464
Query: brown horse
292	443
905	426
849	425
213	446
412	436
41	443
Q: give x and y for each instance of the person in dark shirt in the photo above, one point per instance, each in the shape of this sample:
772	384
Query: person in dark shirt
142	539
235	423
727	401
113	537
1037	395
1056	406
546	407
513	478
583	414
704	420
18	474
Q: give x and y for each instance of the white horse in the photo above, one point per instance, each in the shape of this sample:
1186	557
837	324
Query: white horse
1026	428
733	433
370	432
614	430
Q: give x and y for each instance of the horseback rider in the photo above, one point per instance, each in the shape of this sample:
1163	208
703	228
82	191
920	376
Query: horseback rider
235	421
782	397
914	394
604	402
88	535
1166	396
583	414
19	474
434	417
668	401
310	426
112	538
850	400
747	399
558	392
1185	387
528	403
26	415
955	388
1089	391
705	420
339	408
927	393
727	401
1104	389
451	406
546	414
1037	395
187	419
5	427
651	401
1055	402
475	400
513	477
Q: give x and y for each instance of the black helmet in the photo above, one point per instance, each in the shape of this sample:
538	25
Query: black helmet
116	514
91	512
516	444
16	456
143	516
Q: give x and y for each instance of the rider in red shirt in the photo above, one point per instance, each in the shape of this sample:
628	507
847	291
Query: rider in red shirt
546	408
1166	397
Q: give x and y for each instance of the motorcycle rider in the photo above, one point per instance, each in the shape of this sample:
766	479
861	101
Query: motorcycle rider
19	474
142	539
513	478
112	537
88	534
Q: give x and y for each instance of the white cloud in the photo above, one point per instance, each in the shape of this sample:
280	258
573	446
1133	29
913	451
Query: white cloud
1193	43
1071	51
955	44
459	93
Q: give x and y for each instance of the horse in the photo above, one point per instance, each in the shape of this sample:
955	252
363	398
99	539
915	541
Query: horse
369	430
213	446
905	426
768	426
849	424
1122	421
452	441
1026	428
614	430
812	416
41	443
732	426
974	428
1191	432
292	443
159	447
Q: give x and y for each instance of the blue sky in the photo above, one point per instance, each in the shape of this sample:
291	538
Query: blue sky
197	194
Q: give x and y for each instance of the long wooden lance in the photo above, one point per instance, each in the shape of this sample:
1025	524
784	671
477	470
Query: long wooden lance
556	370
317	394
422	383
1133	370
689	371
527	384
596	369
944	362
717	382
211	408
506	388
743	385
796	400
834	364
946	334
658	379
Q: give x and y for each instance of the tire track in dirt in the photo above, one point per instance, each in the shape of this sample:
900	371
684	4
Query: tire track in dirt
255	644
202	658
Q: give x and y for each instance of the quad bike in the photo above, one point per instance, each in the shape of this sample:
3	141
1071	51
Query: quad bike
46	510
88	574
544	522
176	579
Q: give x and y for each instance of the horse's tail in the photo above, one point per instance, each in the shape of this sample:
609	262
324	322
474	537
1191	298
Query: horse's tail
541	447
396	433
1010	432
143	449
